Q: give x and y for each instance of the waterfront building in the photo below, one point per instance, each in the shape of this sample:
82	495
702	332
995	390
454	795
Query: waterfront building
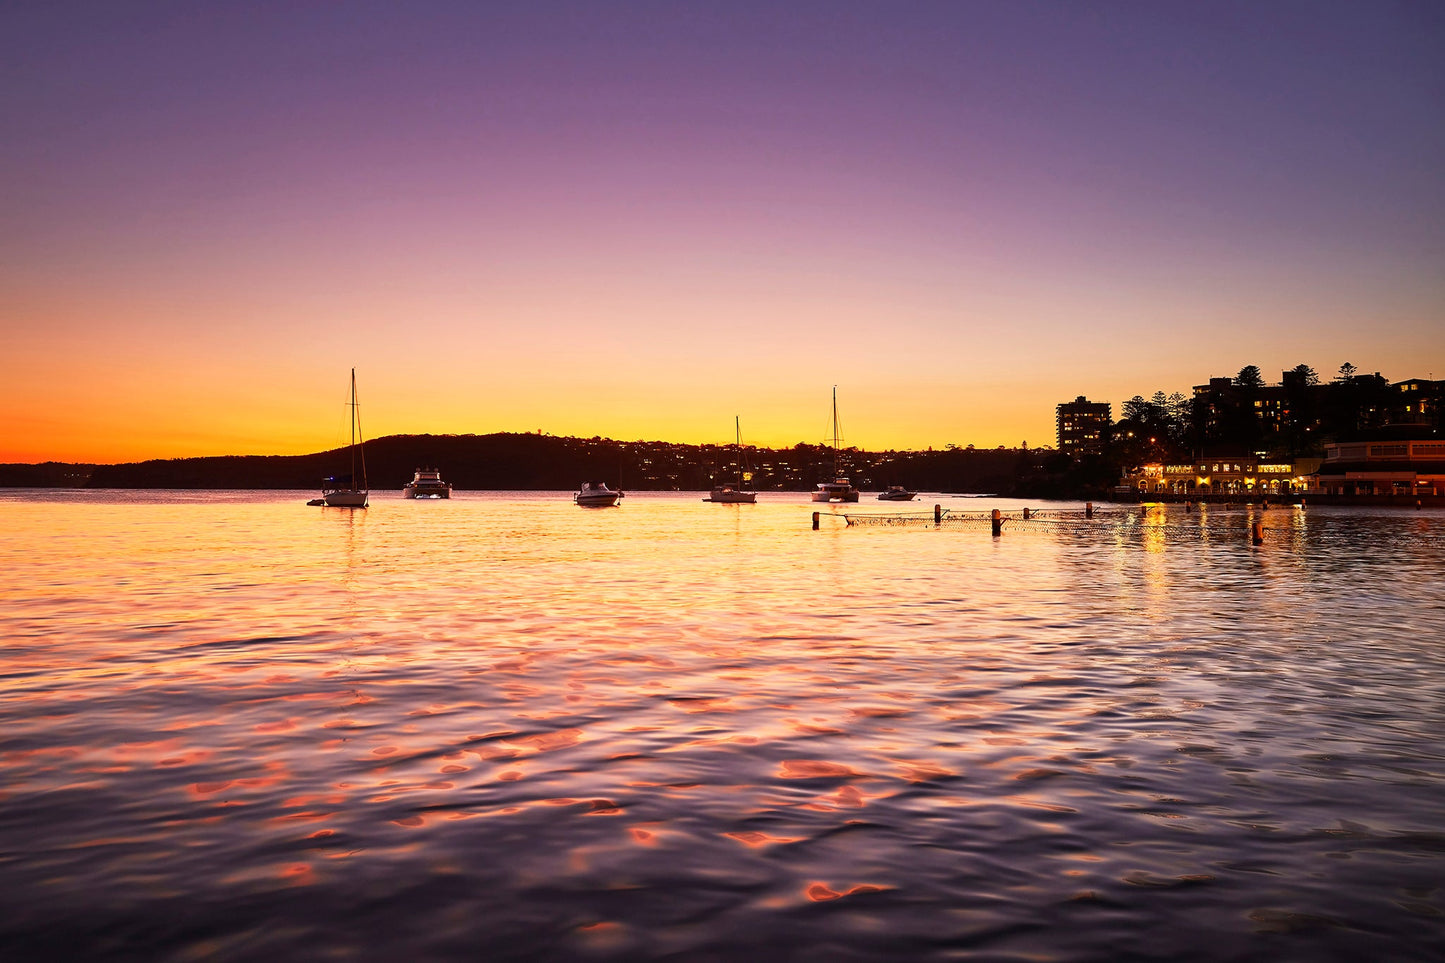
1392	467
1083	426
1235	476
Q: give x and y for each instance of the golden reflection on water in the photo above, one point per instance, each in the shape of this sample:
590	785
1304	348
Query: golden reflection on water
715	704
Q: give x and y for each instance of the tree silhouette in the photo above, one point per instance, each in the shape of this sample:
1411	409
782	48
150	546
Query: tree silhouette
1249	378
1135	409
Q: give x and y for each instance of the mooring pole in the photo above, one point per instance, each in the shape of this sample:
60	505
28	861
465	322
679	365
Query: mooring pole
815	520
1256	534
1088	509
937	515
1026	514
997	523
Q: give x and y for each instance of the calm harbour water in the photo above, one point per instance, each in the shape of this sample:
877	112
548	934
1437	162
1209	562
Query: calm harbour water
233	727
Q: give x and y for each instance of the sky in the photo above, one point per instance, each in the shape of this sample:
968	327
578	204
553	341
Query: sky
639	220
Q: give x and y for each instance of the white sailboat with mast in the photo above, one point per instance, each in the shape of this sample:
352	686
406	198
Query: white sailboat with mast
728	493
839	489
344	492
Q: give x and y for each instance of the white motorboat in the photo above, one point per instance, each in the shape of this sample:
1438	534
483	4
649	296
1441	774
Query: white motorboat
896	493
729	494
839	489
596	494
342	491
426	483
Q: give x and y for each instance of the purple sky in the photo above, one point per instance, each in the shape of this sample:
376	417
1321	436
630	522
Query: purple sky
638	220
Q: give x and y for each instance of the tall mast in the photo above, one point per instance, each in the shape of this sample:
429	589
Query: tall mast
738	448
360	442
352	421
355	438
835	431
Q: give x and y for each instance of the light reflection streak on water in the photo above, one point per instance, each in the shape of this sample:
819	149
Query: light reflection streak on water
496	714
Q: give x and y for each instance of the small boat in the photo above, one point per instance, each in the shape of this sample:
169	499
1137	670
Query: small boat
342	491
727	493
896	493
426	483
839	489
596	494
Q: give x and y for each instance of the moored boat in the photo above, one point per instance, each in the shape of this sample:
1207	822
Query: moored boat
839	489
426	483
730	494
342	491
896	493
596	494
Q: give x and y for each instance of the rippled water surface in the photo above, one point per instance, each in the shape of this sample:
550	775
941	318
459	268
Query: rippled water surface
234	727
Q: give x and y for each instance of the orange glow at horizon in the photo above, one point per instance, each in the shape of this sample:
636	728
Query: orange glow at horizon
184	375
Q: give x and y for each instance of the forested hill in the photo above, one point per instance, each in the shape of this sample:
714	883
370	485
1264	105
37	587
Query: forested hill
546	462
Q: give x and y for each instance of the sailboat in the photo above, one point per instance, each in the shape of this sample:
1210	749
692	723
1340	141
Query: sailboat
839	489
344	492
729	493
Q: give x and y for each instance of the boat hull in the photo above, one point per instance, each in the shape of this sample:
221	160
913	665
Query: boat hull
732	497
411	491
597	500
835	495
345	499
897	496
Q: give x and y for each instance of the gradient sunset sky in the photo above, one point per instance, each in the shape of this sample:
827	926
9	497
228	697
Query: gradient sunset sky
637	220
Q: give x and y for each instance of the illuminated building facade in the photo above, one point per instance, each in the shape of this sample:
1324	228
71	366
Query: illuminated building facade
1235	477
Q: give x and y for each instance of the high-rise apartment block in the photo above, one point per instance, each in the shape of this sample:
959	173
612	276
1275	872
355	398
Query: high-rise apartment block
1083	426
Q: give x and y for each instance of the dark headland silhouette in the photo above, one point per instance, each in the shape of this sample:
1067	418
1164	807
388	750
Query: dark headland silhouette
509	461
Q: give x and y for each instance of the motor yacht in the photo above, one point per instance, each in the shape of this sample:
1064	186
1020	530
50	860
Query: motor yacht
426	483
